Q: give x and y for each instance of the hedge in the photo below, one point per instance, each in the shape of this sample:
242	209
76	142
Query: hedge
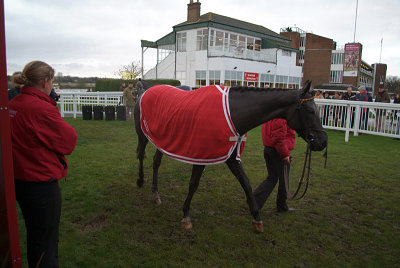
114	84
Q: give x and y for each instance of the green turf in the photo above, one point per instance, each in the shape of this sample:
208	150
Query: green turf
349	217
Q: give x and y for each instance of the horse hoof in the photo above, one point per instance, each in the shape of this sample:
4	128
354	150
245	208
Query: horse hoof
186	223
139	183
156	199
258	226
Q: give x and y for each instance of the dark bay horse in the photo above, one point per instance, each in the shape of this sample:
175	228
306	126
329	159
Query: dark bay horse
249	107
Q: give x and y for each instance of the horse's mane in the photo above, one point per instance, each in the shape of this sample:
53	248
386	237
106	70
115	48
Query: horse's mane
257	89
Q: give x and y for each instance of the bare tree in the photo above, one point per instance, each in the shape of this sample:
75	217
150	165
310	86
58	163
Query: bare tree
392	84
130	71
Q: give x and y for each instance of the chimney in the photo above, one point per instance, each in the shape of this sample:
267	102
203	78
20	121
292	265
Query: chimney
193	11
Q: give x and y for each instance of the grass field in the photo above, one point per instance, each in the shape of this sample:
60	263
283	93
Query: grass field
349	217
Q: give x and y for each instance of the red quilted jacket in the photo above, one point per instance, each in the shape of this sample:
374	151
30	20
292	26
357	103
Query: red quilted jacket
277	134
40	137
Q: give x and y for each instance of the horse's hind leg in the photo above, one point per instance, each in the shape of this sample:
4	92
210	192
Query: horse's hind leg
237	169
156	164
193	184
141	148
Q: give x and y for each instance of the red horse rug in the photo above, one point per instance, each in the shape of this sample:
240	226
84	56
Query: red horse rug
190	126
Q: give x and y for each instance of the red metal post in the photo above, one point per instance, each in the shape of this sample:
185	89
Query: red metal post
9	238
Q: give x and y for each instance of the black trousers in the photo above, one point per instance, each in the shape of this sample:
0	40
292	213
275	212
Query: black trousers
40	204
275	166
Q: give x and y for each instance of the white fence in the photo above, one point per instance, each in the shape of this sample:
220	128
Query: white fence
71	102
381	119
375	118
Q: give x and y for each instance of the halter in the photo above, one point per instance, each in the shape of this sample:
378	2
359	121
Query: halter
307	160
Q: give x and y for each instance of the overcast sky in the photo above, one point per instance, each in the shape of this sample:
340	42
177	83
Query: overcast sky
96	37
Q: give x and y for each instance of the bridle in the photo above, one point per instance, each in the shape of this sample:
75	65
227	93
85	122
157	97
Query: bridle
307	160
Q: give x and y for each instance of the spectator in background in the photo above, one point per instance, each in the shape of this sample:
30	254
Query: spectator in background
130	99
139	84
349	97
363	96
15	90
380	119
325	116
318	95
396	114
337	110
122	87
40	140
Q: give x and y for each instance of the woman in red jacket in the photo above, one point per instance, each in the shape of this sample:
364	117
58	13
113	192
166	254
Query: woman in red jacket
278	139
40	139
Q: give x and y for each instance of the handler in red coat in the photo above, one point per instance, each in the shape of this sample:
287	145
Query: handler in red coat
40	139
278	139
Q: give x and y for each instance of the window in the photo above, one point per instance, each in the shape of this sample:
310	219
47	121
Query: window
212	38
226	41
281	81
202	39
302	40
266	80
181	42
201	78
250	43
233	78
233	42
336	76
219	41
294	81
257	45
242	41
337	58
214	77
301	55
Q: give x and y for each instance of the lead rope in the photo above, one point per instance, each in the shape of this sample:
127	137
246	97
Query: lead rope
286	177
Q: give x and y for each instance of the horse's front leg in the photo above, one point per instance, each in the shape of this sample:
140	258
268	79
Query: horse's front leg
156	164
197	170
237	169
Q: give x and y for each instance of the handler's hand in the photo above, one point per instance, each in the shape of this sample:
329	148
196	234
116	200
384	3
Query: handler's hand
287	159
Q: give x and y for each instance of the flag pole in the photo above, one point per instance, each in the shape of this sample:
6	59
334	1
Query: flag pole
355	23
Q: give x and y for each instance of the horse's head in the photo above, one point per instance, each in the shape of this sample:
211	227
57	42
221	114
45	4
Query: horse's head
305	120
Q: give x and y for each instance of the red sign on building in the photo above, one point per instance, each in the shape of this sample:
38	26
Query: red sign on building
253	77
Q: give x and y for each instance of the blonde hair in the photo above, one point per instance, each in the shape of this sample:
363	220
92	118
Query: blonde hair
34	72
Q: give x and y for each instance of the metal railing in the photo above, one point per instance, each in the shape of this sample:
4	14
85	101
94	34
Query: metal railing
374	118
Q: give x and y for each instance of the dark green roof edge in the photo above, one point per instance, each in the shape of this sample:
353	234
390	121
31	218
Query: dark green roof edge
168	39
145	43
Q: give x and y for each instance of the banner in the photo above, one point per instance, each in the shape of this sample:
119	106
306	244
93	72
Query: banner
352	59
253	77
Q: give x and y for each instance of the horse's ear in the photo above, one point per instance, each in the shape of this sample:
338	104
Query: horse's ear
306	87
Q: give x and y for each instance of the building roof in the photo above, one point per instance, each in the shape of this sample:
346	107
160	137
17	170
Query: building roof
269	39
212	17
